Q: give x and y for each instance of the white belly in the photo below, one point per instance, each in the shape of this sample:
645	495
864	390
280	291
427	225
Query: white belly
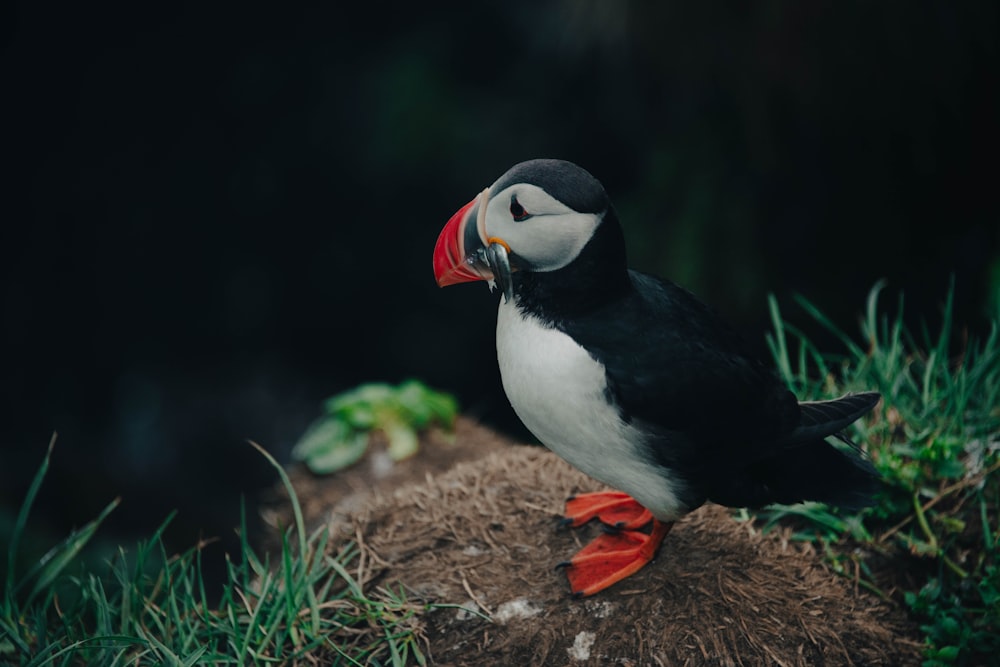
558	391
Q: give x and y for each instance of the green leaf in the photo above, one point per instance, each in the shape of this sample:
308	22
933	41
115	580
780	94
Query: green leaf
424	406
373	393
947	653
950	468
323	435
342	454
949	626
918	546
444	407
403	441
950	524
412	399
339	439
359	415
330	445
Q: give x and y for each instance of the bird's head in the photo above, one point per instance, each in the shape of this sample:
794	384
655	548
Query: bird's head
537	217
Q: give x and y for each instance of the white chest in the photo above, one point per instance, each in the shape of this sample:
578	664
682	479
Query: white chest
558	391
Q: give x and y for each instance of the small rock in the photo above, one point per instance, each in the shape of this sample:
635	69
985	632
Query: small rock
580	650
600	609
516	609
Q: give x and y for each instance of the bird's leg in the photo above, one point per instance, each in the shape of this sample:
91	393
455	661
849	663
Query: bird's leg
612	557
613	508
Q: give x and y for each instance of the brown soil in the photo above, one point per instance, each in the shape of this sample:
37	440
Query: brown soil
474	525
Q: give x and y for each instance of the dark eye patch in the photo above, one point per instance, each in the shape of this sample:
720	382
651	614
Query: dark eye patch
516	210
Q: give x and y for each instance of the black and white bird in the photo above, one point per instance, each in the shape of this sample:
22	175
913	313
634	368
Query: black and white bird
631	378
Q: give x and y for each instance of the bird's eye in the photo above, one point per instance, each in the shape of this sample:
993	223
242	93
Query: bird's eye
517	210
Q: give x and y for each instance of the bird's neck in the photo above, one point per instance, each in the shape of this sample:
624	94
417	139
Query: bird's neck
598	275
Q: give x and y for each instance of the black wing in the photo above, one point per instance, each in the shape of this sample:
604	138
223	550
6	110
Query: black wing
675	366
717	414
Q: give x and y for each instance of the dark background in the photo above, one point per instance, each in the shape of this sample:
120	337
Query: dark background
215	216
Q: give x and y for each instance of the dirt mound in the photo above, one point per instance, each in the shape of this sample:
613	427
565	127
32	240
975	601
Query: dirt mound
471	521
483	536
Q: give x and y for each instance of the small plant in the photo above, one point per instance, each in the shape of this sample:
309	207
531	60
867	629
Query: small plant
936	442
340	437
150	608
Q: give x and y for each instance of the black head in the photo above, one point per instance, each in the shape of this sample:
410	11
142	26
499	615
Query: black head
546	226
572	185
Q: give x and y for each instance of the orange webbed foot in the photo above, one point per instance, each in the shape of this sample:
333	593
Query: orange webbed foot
611	557
613	508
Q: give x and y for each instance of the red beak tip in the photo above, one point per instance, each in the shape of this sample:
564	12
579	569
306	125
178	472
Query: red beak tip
450	265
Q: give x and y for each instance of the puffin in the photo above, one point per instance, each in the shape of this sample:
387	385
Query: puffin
632	379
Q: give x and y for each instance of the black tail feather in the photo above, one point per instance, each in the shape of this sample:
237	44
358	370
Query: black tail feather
823	473
820	419
817	471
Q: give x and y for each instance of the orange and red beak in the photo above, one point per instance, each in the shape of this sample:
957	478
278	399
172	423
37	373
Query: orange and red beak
464	252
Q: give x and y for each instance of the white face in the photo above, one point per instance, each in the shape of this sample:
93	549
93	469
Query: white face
540	230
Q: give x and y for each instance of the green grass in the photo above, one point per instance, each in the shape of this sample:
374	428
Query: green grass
149	607
932	543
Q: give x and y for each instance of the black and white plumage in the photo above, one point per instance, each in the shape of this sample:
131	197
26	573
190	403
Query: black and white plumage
631	378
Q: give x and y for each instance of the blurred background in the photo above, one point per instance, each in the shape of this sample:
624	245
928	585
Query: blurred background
214	216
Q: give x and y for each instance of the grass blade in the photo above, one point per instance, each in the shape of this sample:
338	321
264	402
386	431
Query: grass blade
21	522
53	562
778	343
300	523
